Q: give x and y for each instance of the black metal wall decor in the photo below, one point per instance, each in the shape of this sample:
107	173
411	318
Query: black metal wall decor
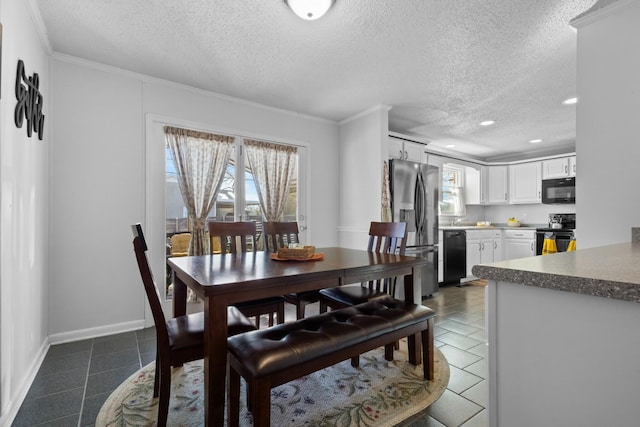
30	102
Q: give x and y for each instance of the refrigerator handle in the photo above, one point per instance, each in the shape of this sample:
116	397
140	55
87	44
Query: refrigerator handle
420	206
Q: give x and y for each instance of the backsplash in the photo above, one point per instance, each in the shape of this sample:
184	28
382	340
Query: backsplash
526	214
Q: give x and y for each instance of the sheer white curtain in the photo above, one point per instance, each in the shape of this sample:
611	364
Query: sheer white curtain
273	167
200	160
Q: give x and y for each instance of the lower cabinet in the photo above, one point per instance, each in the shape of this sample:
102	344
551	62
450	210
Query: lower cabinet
519	243
483	246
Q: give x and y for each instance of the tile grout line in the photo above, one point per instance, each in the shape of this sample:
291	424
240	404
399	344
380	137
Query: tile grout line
86	382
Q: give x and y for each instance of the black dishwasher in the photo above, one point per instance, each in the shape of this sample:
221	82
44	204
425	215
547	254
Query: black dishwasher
455	256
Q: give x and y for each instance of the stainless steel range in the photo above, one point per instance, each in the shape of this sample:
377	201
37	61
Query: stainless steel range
562	226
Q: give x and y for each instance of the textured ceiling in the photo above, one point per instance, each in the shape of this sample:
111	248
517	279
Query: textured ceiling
443	65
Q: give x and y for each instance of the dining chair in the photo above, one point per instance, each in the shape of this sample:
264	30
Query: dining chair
280	235
384	237
180	244
239	237
178	340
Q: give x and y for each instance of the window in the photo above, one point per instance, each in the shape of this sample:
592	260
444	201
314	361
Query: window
234	202
237	199
452	191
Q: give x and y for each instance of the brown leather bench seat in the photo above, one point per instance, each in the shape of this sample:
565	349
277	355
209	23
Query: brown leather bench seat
269	357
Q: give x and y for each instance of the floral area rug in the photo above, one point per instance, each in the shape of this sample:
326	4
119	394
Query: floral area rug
378	393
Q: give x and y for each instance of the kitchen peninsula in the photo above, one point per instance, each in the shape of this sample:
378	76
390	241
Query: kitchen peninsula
564	338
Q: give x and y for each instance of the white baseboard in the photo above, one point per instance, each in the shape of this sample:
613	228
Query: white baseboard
100	331
16	401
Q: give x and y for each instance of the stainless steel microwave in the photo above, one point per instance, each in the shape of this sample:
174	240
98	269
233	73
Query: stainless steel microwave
560	190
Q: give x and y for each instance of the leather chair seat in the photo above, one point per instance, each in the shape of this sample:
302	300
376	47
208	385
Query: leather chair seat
186	332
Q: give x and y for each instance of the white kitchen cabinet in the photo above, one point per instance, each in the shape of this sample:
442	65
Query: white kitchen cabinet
482	247
472	186
497	246
518	244
496	190
572	166
474	247
525	183
406	150
559	168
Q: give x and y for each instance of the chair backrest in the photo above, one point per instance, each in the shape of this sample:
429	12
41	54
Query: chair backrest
140	249
229	234
279	235
390	238
180	244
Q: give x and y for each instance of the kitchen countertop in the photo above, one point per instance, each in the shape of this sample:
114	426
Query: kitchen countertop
608	271
491	227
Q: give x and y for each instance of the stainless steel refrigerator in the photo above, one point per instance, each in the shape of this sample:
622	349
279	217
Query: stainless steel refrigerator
414	200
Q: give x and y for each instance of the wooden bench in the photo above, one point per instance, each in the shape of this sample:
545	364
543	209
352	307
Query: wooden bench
270	357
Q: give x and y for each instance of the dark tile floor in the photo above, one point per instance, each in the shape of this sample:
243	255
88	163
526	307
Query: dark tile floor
76	378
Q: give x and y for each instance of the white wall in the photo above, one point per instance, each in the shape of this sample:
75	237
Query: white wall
363	146
108	172
24	229
97	171
608	143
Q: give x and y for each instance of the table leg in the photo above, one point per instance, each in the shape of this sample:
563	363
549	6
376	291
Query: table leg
179	297
215	360
413	295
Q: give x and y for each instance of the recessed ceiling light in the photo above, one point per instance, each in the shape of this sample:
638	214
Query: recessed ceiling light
450	145
570	101
487	123
535	141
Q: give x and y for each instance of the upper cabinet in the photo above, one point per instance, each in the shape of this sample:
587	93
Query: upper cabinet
572	166
473	186
495	187
406	150
559	168
525	185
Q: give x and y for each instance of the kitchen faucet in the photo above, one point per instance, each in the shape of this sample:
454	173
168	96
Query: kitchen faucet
457	221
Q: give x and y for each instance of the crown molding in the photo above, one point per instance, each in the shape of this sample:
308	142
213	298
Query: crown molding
144	78
36	17
598	11
375	108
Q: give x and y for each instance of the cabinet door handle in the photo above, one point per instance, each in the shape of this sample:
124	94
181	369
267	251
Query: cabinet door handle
401	154
406	155
505	197
566	169
495	245
532	246
574	168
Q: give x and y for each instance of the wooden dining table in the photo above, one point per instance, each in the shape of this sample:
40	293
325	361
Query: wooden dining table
223	280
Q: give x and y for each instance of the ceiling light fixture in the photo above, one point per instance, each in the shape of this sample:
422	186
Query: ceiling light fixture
535	141
487	123
450	145
570	101
310	9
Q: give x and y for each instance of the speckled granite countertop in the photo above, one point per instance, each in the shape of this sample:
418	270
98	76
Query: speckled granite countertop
607	271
